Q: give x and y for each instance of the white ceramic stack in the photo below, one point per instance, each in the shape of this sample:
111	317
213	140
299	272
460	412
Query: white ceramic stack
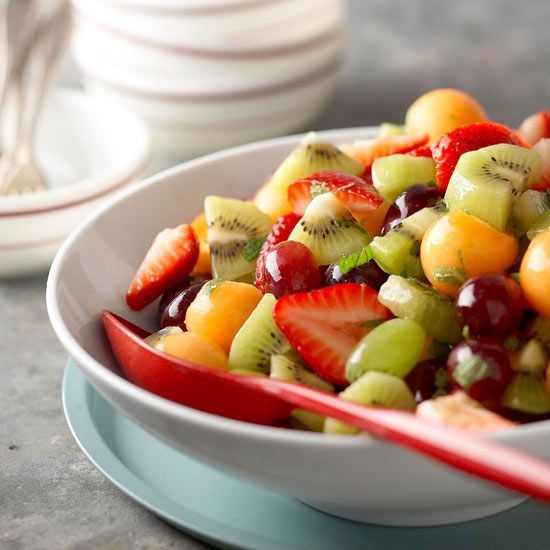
208	74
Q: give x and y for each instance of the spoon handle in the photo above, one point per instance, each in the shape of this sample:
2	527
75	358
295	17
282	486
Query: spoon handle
457	448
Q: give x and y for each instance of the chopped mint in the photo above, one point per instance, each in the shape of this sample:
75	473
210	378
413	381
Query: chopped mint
441	350
466	332
515	276
512	343
450	275
252	248
372	323
471	370
349	262
351	225
442	383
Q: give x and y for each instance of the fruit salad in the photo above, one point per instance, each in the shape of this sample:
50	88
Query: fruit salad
410	271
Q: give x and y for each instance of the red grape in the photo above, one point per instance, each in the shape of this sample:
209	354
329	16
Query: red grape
427	378
174	313
481	368
288	268
408	203
490	305
368	273
170	294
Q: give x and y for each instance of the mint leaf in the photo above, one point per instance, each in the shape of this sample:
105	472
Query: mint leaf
349	262
252	248
515	276
466	332
316	189
442	383
471	370
372	323
450	275
350	224
512	343
210	286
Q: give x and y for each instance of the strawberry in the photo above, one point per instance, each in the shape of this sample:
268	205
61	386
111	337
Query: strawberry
449	147
280	232
542	147
358	195
367	152
535	127
170	259
424	151
324	325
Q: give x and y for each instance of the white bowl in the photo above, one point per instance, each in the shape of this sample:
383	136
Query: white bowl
259	26
88	149
353	477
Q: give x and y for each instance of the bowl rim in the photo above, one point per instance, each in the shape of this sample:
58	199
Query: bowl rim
161	405
95	185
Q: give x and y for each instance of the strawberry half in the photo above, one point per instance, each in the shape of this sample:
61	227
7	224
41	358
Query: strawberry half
358	195
451	146
324	325
535	127
367	152
170	259
280	232
542	147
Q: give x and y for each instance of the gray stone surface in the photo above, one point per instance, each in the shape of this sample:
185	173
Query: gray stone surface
50	496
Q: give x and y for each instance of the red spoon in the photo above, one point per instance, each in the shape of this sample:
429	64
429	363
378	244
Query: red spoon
265	401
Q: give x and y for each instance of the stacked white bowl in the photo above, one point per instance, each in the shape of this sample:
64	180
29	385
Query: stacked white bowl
208	74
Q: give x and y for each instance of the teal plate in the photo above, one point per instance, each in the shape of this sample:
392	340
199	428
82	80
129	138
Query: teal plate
230	513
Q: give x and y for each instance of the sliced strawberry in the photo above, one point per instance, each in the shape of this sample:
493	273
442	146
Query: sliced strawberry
424	151
367	152
451	146
324	325
280	232
542	147
535	127
358	195
170	259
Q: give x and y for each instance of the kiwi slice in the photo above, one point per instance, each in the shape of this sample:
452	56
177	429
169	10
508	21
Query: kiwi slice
376	389
539	328
312	155
397	252
411	299
301	419
393	347
390	129
329	230
258	339
541	223
527	393
156	337
394	174
526	211
487	182
231	225
531	358
291	369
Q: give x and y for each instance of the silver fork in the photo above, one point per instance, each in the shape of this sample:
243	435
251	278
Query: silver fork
18	170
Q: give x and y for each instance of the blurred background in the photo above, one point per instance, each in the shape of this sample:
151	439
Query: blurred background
392	52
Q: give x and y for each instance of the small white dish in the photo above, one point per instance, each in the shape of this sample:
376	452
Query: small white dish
88	149
352	477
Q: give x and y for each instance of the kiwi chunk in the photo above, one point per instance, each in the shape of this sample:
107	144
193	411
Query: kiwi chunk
258	339
390	129
394	174
312	155
156	337
375	389
329	230
393	347
232	224
301	419
411	299
397	252
291	369
527	393
539	328
531	358
487	182
527	209
541	223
